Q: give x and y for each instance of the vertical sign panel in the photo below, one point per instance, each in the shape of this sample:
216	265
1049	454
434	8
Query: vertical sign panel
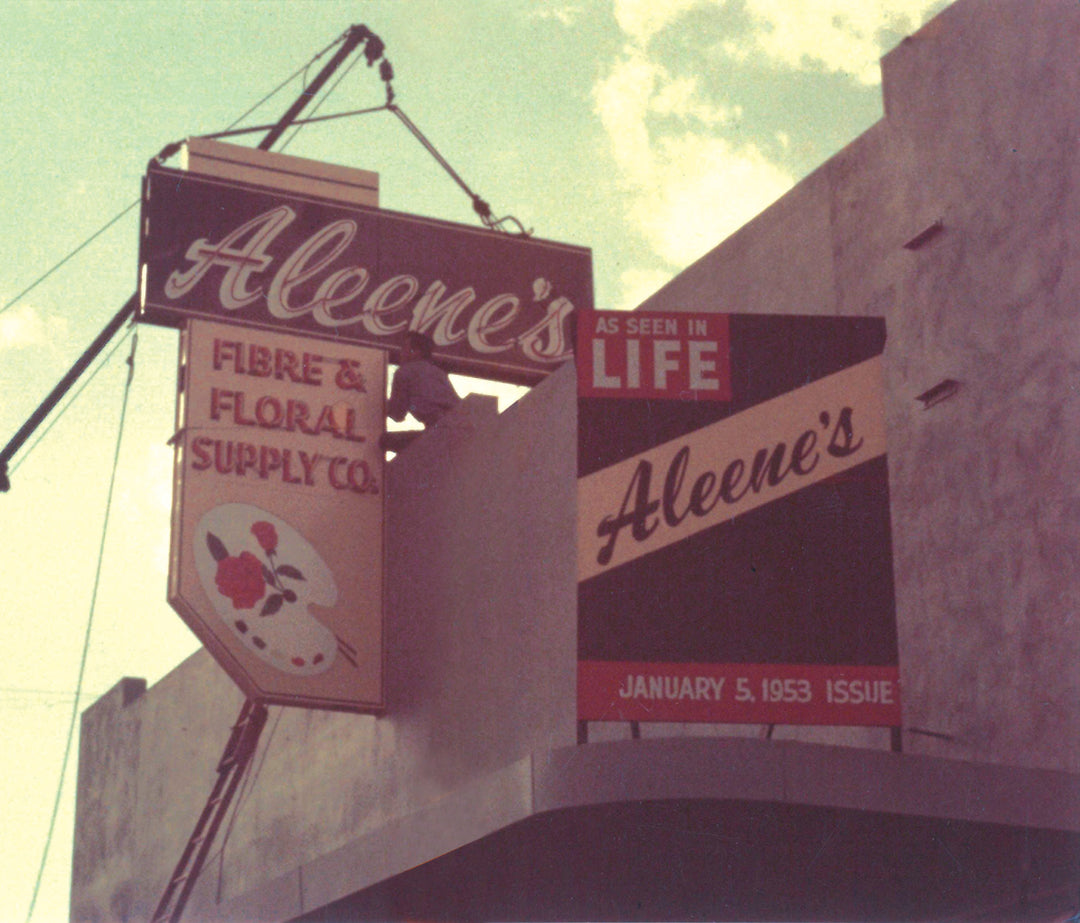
734	542
277	541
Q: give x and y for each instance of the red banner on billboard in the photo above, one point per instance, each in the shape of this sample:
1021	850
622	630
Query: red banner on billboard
744	693
734	555
496	305
648	355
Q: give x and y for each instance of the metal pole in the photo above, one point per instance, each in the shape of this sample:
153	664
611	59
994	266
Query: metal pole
354	36
239	750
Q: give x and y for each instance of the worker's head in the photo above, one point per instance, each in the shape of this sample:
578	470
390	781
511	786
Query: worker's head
417	346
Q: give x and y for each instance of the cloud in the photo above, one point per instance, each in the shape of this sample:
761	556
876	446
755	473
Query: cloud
688	169
681	97
23	325
841	36
639	89
564	14
622	102
688	186
640	20
707	188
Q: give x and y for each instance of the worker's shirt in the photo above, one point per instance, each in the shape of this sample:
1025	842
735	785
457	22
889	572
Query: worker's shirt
423	389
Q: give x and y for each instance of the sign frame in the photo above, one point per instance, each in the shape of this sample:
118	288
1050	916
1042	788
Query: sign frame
299	634
497	305
699	519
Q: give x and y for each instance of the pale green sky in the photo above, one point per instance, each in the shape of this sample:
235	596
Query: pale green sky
645	131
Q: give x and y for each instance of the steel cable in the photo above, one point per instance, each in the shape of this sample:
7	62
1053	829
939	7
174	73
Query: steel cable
86	636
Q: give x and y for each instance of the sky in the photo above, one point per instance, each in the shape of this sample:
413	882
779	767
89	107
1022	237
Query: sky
645	131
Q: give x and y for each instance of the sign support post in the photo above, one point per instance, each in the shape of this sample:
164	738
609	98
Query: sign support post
239	750
353	37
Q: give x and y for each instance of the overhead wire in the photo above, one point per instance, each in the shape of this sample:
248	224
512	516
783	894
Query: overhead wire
251	129
20	698
89	625
12	302
77	250
133	335
386	74
89	240
323	99
481	208
71	400
300	70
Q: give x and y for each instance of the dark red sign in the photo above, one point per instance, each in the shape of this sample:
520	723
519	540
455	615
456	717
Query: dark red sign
735	555
648	355
497	306
739	693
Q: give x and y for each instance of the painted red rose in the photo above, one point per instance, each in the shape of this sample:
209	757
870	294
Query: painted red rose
266	535
241	579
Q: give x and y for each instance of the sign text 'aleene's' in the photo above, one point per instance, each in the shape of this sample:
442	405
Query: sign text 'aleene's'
497	306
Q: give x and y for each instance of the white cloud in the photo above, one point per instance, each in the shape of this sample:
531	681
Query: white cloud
638	88
706	189
622	101
689	188
640	20
841	36
689	180
564	14
681	96
23	325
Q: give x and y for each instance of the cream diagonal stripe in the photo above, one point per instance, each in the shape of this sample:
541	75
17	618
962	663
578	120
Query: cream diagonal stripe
712	475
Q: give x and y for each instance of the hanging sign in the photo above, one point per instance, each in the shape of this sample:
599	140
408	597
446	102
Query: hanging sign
277	538
496	305
734	544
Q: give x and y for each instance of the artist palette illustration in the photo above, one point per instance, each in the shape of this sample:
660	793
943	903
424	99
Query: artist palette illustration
263	578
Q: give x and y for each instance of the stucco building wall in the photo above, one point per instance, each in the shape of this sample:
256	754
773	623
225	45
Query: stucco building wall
980	135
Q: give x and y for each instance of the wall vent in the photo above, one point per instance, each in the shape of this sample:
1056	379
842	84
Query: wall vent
942	391
926	235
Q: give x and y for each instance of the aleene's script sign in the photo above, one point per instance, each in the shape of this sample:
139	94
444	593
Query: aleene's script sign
496	305
734	547
730	467
277	539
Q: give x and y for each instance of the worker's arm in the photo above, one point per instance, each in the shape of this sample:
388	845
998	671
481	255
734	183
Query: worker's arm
398	405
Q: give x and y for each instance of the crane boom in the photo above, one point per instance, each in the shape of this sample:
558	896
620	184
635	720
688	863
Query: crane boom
354	36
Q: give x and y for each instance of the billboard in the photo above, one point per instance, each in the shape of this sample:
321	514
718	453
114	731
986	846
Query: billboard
496	305
276	560
734	539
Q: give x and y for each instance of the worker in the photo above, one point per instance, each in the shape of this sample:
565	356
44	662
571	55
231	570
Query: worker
419	387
